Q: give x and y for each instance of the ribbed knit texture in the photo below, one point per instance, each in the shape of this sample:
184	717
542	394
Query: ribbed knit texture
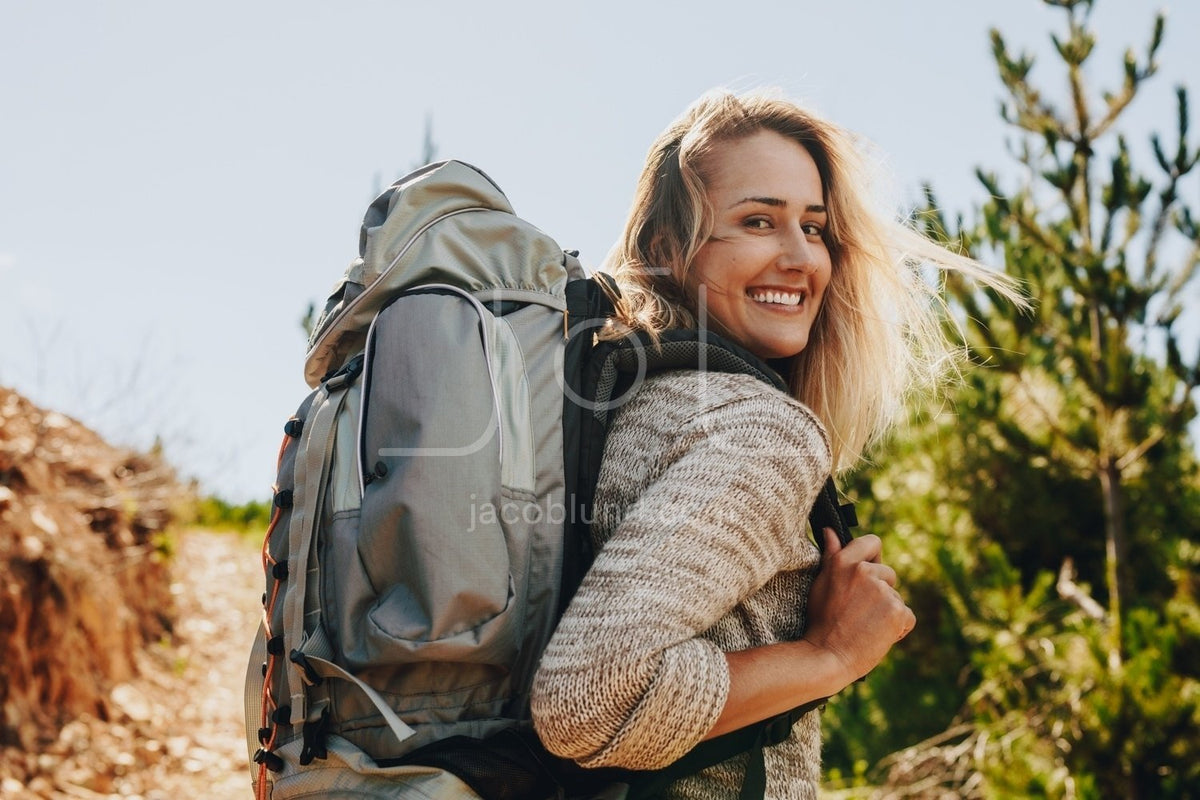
701	515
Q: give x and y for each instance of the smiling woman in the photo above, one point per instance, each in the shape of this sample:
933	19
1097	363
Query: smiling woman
752	217
762	274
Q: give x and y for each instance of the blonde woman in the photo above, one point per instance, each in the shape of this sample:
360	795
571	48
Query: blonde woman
708	608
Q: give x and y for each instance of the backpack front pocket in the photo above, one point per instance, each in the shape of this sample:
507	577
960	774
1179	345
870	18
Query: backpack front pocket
432	550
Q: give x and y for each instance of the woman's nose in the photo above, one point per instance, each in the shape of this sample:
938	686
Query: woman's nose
798	253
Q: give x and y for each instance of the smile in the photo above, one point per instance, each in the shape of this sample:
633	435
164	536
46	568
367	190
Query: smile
775	297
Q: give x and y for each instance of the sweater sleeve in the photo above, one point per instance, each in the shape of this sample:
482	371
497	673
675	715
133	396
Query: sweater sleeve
627	680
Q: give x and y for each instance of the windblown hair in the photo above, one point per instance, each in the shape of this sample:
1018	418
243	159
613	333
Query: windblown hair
880	332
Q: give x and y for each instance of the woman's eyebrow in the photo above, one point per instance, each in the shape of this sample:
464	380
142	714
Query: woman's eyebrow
779	203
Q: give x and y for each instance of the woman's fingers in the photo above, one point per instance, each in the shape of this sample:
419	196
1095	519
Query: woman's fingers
855	609
910	622
833	545
885	574
865	557
868	547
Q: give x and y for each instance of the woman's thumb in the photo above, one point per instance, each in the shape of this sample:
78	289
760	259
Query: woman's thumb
832	543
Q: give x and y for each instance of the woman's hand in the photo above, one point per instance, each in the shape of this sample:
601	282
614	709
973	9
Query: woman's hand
855	616
854	610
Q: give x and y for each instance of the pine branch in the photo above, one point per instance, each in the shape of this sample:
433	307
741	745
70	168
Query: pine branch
1134	75
1181	280
1175	168
1030	112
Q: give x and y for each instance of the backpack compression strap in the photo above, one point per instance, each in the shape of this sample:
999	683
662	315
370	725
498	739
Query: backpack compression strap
311	659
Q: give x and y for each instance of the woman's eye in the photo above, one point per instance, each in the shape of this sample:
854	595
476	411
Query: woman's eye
812	229
757	223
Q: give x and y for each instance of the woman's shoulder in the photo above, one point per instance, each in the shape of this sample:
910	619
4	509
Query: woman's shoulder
696	391
680	399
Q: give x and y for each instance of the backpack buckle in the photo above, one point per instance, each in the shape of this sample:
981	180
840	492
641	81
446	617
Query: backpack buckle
310	674
314	739
268	759
346	375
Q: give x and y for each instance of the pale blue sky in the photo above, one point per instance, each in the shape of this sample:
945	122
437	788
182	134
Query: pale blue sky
178	181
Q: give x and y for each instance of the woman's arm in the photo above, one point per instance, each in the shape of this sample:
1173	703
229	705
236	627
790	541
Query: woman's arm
627	679
855	616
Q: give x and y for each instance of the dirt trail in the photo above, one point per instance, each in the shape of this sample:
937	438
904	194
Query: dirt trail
179	731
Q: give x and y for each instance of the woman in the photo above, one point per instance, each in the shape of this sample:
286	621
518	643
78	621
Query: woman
708	608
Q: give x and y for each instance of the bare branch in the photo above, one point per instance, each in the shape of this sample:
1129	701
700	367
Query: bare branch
1072	592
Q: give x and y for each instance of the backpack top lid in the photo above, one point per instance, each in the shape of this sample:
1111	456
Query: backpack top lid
445	223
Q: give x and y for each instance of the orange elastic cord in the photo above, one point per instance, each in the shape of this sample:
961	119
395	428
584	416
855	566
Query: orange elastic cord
268	702
282	447
260	790
267	561
268	709
276	510
268	608
268	712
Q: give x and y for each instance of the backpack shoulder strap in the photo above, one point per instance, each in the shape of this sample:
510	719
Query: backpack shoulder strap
616	368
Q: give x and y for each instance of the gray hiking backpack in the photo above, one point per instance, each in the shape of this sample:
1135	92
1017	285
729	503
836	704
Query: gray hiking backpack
431	506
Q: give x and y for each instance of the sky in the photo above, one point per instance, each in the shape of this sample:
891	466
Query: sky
179	181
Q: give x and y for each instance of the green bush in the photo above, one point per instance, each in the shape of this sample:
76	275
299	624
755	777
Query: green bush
218	514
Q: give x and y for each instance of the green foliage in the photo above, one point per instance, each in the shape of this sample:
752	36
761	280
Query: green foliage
308	320
1076	388
1018	672
1045	521
1046	682
216	514
164	544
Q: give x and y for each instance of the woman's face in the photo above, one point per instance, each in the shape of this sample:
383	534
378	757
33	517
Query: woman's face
762	273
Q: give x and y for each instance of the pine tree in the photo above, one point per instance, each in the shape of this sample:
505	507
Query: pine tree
1045	519
1096	378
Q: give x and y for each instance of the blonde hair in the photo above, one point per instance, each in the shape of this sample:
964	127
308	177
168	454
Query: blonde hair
880	332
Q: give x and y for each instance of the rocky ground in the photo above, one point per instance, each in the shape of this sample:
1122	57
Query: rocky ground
177	730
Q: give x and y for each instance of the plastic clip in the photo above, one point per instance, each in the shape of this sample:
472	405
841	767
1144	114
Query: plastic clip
270	760
346	375
314	739
310	675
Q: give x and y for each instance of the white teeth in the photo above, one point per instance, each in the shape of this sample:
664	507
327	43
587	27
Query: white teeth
777	298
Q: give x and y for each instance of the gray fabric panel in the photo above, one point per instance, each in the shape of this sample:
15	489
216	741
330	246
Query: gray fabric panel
517	468
253	696
436	698
343	491
311	471
436	572
278	547
337	347
481	250
476	250
456	684
538	332
349	774
541	297
434	192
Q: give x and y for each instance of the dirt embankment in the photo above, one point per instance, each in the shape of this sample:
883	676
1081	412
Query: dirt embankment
121	646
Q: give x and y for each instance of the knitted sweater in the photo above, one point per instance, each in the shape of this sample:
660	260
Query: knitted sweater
700	532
